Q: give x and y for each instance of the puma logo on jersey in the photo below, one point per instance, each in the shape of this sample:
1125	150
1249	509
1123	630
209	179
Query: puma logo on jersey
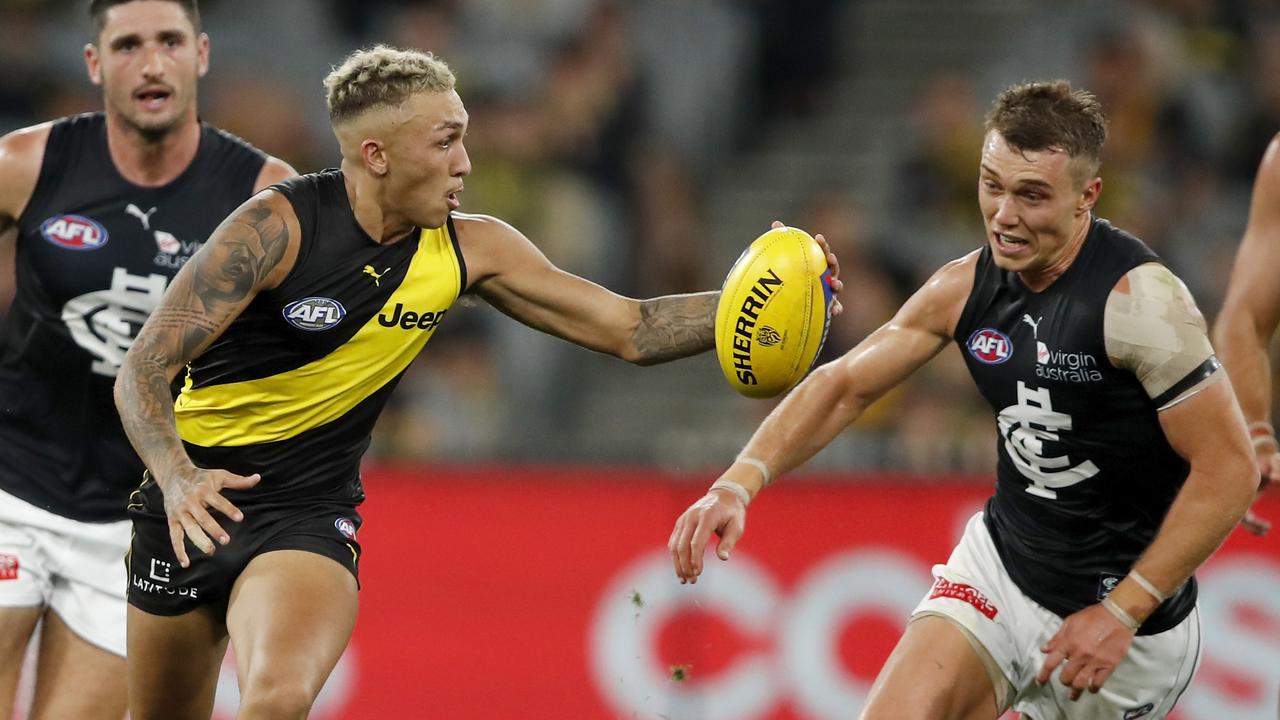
408	319
143	217
1035	325
377	276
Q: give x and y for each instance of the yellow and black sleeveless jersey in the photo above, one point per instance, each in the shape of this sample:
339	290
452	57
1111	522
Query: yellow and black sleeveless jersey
293	387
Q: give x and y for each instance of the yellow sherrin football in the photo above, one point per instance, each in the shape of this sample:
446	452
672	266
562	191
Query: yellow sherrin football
773	313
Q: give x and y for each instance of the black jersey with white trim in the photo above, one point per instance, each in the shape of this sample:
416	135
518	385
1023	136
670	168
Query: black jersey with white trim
293	387
94	254
1085	473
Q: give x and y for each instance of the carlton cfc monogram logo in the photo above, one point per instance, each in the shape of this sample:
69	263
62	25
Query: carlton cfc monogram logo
990	346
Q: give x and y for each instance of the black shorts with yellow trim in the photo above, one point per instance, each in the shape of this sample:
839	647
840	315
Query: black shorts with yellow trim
160	586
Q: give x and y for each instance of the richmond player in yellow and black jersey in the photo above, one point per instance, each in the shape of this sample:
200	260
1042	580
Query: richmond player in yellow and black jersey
297	318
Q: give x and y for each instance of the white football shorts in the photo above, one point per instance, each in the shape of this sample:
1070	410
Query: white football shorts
75	568
974	591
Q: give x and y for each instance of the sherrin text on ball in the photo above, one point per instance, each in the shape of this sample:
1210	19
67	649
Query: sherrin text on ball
773	313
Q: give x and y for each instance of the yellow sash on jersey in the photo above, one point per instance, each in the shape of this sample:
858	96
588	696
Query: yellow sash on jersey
282	406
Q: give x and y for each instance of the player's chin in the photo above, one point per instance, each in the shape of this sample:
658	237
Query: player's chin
154	125
433	219
1008	264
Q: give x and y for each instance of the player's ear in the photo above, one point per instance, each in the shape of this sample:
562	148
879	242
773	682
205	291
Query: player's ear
93	63
374	154
202	50
1089	197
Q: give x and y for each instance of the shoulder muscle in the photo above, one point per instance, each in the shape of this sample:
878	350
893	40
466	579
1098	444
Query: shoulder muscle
274	170
21	155
937	305
491	247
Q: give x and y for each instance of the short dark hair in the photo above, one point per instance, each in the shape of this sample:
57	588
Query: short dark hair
98	12
1040	116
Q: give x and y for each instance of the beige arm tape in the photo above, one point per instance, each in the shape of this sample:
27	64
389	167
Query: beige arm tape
1156	331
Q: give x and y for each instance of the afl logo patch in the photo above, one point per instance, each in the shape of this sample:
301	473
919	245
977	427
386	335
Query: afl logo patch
990	346
1138	712
314	313
74	232
347	527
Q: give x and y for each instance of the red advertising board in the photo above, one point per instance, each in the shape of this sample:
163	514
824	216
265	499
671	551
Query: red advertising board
548	593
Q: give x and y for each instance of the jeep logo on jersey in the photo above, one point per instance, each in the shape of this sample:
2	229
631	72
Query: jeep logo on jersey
990	346
347	527
408	319
74	232
314	313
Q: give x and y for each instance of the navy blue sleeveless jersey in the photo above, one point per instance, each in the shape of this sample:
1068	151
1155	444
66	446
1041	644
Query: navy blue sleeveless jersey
94	255
1085	474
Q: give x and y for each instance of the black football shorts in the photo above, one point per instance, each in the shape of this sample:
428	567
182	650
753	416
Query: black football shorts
160	586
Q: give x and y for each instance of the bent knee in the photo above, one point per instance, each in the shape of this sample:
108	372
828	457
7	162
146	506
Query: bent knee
268	697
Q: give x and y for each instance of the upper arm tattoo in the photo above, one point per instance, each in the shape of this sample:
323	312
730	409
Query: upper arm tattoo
221	276
675	326
206	294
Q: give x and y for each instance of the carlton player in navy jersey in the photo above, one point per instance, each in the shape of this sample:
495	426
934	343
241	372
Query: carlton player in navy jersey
106	207
297	319
1123	456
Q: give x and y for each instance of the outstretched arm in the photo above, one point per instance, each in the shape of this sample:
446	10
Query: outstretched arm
515	277
1250	314
251	250
831	398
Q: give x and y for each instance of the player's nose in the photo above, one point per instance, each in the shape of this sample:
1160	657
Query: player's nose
463	166
152	63
1006	212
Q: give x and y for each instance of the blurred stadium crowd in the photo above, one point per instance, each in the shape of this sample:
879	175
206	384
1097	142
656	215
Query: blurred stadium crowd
643	143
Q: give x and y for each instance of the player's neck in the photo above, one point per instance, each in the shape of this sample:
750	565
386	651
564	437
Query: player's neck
148	161
371	214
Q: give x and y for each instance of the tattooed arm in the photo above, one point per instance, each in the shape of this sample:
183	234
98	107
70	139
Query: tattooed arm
252	250
515	277
512	275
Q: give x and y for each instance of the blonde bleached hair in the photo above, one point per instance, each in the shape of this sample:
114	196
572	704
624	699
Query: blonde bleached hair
382	76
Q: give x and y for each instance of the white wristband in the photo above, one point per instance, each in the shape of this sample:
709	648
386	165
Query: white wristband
1261	426
759	465
1148	586
1120	614
733	487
